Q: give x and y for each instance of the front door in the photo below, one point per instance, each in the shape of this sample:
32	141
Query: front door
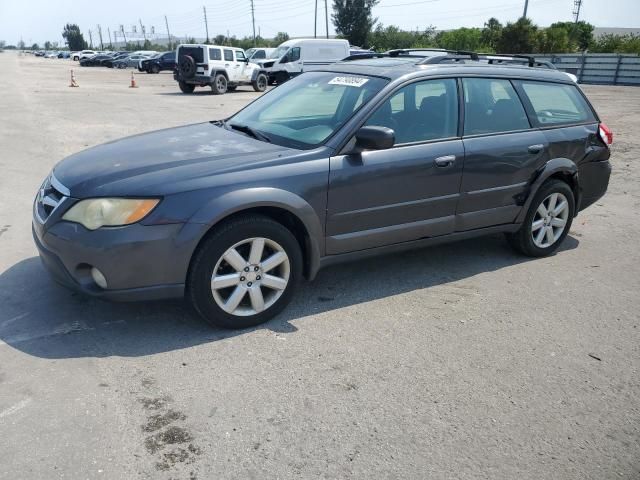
503	153
407	192
242	67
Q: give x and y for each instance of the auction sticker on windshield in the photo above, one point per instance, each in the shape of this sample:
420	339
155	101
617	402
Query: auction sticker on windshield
349	81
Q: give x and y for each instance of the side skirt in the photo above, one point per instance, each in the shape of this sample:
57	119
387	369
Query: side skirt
412	245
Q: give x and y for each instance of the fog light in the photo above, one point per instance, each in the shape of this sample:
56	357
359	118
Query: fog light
98	277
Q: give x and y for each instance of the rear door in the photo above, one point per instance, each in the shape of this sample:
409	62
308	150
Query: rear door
407	192
216	61
503	152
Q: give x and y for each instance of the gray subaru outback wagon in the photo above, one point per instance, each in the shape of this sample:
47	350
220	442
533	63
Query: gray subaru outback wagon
367	156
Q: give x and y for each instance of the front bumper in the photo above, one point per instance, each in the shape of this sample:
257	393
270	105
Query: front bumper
139	262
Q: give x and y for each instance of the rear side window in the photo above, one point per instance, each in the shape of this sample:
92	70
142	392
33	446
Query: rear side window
228	55
492	106
555	103
214	54
194	52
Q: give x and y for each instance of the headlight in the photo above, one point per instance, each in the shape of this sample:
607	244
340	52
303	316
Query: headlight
94	213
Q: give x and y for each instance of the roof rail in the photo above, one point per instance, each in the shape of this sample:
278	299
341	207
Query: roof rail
530	60
363	56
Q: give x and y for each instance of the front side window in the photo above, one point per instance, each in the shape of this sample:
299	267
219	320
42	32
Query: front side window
308	109
492	105
555	103
420	112
228	55
240	56
294	54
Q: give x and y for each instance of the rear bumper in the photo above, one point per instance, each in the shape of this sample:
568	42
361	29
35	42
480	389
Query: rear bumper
593	178
141	266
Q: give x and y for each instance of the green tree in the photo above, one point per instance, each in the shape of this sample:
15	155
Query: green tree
553	40
391	37
2	44
353	19
460	39
280	38
518	37
580	34
47	45
35	46
491	33
73	37
21	44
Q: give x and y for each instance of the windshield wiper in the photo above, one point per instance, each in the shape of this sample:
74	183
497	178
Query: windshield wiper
250	131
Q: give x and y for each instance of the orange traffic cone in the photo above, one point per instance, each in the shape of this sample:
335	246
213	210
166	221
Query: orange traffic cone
73	80
133	82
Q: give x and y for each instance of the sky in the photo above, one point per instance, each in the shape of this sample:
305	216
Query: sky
41	20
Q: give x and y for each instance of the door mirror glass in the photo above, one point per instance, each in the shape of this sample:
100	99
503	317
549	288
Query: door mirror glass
374	138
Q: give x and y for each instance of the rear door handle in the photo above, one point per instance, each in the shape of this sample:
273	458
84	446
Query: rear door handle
445	161
537	148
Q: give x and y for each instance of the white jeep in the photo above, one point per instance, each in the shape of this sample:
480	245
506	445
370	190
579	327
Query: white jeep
221	68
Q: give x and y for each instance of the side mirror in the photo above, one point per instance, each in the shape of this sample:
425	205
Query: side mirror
374	138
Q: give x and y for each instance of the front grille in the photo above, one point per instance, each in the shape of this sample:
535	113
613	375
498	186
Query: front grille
52	193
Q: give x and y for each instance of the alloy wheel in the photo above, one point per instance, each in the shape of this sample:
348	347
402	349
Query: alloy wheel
550	220
250	276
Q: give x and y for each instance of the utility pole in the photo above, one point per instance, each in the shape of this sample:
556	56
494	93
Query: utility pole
206	25
576	10
166	22
90	40
110	42
144	33
253	21
326	17
526	6
124	36
100	35
315	21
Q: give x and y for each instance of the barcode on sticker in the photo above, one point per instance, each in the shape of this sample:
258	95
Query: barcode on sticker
349	81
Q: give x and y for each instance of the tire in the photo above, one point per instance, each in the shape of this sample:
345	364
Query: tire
281	77
232	304
187	66
155	69
186	87
260	83
231	88
219	85
545	236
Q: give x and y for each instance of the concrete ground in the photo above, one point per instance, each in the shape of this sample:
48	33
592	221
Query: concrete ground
463	361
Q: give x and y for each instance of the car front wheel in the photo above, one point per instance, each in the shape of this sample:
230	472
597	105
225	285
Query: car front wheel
547	222
260	83
245	273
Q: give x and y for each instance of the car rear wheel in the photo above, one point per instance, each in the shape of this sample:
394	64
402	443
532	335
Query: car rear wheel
245	273
219	85
155	69
547	222
186	87
260	83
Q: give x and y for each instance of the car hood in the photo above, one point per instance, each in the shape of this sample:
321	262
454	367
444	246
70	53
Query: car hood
164	161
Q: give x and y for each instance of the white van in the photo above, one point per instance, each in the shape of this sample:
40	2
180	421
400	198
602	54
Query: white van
302	55
258	53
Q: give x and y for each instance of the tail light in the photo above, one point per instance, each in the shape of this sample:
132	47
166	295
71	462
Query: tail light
605	134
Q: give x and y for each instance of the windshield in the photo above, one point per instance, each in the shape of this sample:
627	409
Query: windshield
308	109
278	52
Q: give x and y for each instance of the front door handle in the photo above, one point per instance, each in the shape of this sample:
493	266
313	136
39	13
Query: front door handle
445	161
537	148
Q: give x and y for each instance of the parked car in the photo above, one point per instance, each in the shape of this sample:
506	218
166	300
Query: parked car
129	61
115	57
364	157
221	68
63	54
77	56
94	61
158	63
306	54
258	53
51	55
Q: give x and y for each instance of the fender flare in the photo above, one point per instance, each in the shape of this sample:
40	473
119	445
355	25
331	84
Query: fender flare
227	204
216	72
552	167
256	72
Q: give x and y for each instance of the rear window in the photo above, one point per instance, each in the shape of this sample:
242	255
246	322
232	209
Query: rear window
555	103
194	52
